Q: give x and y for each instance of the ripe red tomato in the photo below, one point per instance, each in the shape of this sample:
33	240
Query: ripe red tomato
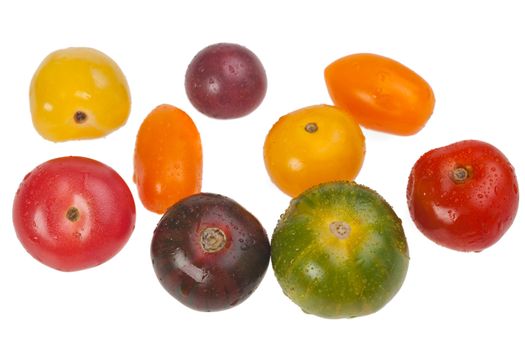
73	213
463	196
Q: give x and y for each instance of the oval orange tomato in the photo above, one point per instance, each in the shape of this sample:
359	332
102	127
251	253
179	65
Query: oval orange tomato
381	93
168	158
313	145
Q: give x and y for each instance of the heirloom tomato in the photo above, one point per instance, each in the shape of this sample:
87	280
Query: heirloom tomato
168	158
381	93
78	93
339	251
209	252
73	213
463	196
225	81
313	145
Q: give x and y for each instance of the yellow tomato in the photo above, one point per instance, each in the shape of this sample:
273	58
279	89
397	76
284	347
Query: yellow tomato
313	145
78	93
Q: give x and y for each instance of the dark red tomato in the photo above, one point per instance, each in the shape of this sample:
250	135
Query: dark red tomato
73	213
463	196
209	252
225	81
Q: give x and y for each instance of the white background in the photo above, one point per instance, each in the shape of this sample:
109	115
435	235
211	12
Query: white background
471	52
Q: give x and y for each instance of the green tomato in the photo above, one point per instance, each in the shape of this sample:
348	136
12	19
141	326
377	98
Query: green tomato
339	251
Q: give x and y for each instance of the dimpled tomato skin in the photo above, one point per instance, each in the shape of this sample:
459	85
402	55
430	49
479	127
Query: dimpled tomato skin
73	213
225	81
463	196
209	252
340	251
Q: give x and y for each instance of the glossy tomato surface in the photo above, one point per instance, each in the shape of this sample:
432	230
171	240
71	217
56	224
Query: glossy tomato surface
313	145
381	93
78	93
209	252
73	213
225	81
463	196
339	251
168	158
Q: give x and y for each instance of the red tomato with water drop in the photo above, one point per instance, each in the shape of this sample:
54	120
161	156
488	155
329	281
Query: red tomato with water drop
73	213
463	196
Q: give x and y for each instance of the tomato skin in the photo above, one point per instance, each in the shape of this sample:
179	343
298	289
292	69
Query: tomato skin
382	94
465	215
168	158
225	81
337	273
207	280
297	159
78	93
101	226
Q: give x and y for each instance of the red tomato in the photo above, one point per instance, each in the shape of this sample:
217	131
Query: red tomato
463	196
73	213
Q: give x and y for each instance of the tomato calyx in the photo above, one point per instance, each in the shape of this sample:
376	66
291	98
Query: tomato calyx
340	229
311	127
80	117
73	214
461	174
212	239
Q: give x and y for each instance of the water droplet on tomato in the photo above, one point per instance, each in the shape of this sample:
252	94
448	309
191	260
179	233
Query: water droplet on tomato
185	289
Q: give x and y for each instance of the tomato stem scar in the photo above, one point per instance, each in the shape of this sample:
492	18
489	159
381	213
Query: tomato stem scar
73	214
311	127
461	174
212	239
340	229
80	117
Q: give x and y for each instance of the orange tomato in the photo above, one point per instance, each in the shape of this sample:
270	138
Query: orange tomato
381	93
168	158
313	145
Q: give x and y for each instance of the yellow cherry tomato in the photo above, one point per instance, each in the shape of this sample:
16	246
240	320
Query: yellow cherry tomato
78	93
313	145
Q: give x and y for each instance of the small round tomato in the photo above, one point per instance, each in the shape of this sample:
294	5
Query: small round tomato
339	251
463	196
78	93
313	145
73	213
381	93
209	252
168	158
225	81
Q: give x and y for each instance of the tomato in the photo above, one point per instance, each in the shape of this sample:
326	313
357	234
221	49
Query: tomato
463	196
313	145
339	251
209	252
381	93
168	158
73	213
225	81
78	93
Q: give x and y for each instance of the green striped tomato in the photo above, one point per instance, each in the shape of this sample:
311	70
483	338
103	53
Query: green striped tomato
339	251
